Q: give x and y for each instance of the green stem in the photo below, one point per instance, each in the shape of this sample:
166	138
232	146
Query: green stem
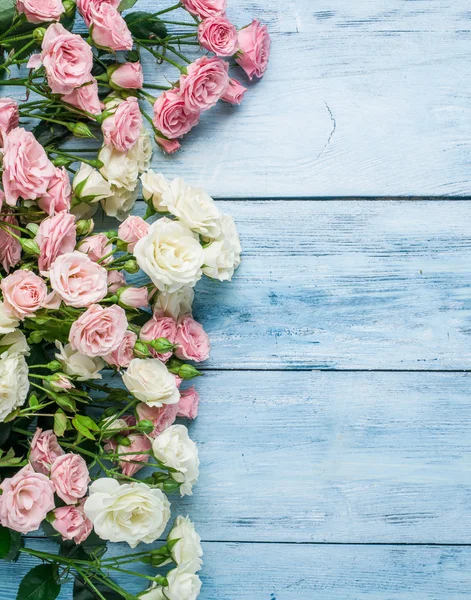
17	38
151	86
10	232
161	56
183	23
179	54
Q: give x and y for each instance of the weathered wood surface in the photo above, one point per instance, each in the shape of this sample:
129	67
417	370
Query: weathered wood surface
344	285
333	457
307	572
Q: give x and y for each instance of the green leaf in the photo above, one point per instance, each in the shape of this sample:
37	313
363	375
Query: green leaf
10	544
5	542
7	12
66	403
87	422
5	430
83	592
82	429
144	26
40	584
60	423
126	4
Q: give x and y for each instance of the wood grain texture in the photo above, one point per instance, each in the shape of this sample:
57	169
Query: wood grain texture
372	99
333	457
344	285
308	572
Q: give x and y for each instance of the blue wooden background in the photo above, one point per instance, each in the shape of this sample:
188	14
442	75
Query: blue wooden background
335	423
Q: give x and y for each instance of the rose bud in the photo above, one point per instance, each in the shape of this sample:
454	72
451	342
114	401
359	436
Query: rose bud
126	76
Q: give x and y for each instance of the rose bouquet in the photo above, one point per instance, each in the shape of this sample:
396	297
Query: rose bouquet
97	336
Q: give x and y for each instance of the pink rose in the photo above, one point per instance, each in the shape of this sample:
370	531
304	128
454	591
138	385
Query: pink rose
234	93
123	355
72	523
99	331
162	417
172	116
40	11
132	230
58	194
23	292
9	117
205	8
67	59
26	499
159	327
69	474
188	403
10	247
139	444
78	280
123	128
134	297
96	247
168	146
128	76
116	280
60	382
27	170
44	450
193	342
218	35
254	44
86	98
109	30
85	6
206	82
56	235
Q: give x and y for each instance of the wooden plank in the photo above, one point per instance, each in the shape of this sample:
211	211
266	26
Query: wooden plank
372	99
344	285
333	457
304	572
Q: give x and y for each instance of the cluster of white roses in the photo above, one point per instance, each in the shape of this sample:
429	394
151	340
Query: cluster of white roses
197	214
115	184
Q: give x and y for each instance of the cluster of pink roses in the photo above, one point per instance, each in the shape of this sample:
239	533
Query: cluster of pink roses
68	60
28	496
206	80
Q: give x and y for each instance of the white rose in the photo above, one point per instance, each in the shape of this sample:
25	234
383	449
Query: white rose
171	255
222	256
188	547
78	365
175	304
14	383
84	210
154	185
141	152
89	185
183	584
175	449
120	203
149	380
118	168
8	321
112	426
131	513
16	342
194	207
